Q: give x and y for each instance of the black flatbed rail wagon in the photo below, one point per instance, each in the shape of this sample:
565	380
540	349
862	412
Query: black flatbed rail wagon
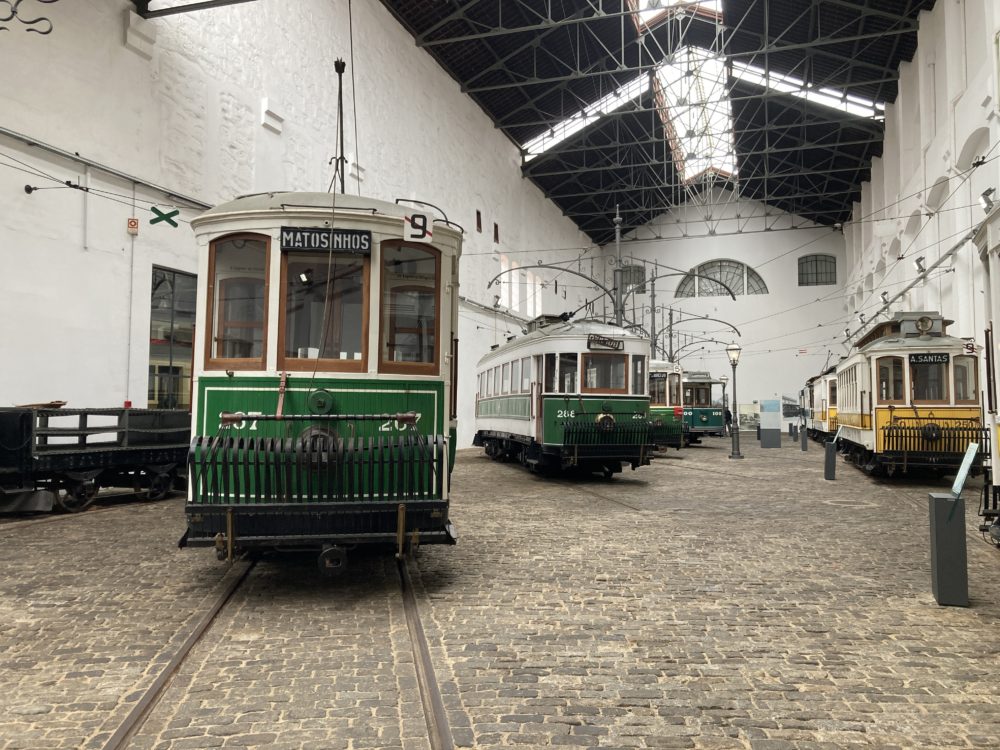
80	450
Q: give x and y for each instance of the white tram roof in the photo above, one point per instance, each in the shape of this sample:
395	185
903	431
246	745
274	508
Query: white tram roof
700	376
664	365
313	205
569	336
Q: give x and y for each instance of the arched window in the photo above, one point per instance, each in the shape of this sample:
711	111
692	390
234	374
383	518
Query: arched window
817	270
737	276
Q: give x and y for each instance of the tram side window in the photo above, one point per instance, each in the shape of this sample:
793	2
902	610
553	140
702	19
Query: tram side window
505	388
966	380
409	326
605	373
833	393
929	381
238	303
567	373
675	389
324	306
515	376
638	375
489	382
890	380
526	374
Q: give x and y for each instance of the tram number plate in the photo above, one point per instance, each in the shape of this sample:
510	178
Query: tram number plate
929	359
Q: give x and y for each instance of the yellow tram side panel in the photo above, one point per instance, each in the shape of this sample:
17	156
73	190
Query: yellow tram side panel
945	416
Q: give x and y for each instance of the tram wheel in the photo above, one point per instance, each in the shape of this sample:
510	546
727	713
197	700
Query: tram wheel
160	485
78	496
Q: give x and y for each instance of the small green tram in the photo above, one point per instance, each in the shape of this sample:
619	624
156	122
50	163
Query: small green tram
666	410
324	376
701	415
567	395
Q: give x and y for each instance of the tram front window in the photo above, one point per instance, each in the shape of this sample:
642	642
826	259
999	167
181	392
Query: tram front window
604	372
966	380
567	373
890	379
657	390
324	306
237	302
675	389
929	381
703	395
638	374
410	290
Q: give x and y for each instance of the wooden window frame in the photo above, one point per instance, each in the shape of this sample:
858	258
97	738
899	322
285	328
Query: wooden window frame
974	369
324	364
236	363
410	368
947	386
582	374
878	389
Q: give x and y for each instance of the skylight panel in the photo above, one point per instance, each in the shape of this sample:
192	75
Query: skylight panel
828	97
697	113
650	10
610	103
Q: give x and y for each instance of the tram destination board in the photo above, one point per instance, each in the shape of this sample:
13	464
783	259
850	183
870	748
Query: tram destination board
353	241
596	341
929	358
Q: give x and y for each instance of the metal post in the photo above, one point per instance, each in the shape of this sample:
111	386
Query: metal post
619	312
830	461
340	66
652	314
949	559
736	429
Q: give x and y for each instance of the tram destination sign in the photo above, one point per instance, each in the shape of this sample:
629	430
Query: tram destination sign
352	241
929	358
595	341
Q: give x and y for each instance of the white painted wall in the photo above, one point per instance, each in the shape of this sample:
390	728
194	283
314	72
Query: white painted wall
945	116
774	327
177	102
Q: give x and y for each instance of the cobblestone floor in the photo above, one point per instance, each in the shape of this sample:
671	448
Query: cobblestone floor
698	602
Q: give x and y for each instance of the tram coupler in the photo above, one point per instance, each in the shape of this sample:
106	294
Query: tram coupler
332	560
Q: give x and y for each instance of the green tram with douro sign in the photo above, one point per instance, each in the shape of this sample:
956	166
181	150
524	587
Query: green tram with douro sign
324	376
702	416
567	395
666	410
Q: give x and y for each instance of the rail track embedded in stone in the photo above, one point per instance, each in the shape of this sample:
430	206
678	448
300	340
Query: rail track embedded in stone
137	716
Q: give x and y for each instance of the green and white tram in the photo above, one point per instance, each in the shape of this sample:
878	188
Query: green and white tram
566	395
702	415
666	410
324	376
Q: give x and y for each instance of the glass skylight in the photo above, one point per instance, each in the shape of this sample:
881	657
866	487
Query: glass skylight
786	84
613	101
650	9
697	112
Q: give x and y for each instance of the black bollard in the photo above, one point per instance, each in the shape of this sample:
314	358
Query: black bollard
804	433
949	559
830	464
758	433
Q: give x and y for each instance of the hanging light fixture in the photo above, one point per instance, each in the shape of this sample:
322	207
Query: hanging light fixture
884	297
986	199
861	317
919	264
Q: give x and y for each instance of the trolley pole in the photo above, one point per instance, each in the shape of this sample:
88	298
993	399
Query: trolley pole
619	304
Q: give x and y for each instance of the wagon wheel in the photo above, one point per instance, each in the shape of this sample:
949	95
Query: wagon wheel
160	485
78	496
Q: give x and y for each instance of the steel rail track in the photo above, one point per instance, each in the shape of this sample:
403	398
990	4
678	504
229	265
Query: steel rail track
137	716
438	729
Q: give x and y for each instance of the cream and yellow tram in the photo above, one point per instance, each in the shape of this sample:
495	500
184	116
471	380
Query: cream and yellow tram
908	397
819	405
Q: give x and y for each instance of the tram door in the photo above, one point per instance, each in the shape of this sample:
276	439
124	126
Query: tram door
539	379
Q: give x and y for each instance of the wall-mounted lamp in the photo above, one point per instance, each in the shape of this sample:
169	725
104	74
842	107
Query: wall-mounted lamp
919	263
861	317
847	333
986	199
306	277
884	297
